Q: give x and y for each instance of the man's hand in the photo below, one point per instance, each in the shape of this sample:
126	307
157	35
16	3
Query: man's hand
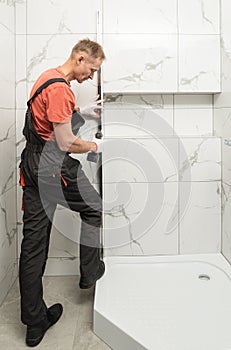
93	109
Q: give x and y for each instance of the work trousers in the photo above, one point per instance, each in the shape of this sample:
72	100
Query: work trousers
39	206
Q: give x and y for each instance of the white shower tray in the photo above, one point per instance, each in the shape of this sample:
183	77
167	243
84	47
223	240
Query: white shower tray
178	302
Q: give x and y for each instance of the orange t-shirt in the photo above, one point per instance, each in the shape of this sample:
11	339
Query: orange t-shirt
54	104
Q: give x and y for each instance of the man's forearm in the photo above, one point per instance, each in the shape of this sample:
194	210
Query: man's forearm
81	146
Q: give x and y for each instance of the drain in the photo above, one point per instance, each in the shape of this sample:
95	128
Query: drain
204	277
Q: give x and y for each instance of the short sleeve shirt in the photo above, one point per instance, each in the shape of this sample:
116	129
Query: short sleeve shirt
54	104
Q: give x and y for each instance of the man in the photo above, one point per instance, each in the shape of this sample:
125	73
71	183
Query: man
50	177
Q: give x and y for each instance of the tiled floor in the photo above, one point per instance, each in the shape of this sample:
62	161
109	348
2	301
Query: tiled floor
72	332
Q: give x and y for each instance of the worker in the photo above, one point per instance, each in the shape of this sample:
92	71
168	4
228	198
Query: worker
49	176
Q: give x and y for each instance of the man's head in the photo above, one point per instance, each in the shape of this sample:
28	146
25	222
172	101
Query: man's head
87	56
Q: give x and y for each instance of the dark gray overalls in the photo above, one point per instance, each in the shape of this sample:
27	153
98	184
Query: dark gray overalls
49	177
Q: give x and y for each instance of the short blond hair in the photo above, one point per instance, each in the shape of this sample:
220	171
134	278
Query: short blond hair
92	48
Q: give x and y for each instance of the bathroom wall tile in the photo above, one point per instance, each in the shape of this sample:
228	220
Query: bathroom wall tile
222	122
62	17
20	74
199	17
7	70
223	100
141	160
193	122
20	139
61	246
47	51
225	27
226	73
7	16
226	156
190	101
140	17
7	241
140	219
200	217
20	17
134	101
7	150
137	122
204	74
200	159
147	63
226	229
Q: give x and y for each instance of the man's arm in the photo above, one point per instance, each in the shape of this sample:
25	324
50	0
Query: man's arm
68	142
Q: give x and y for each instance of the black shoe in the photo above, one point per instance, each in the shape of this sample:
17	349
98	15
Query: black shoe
86	283
35	333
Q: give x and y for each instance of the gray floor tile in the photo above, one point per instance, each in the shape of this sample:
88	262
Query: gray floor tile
74	329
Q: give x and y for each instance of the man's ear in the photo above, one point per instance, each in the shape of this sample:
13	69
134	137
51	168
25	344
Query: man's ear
79	59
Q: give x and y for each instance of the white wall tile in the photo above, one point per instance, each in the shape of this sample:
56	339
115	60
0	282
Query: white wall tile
61	246
199	16
73	16
21	73
226	234
193	122
7	15
147	63
7	69
200	159
161	238
140	160
7	150
204	74
226	27
137	122
132	101
193	101
20	17
200	225
226	157
140	17
48	51
140	216
8	269
222	122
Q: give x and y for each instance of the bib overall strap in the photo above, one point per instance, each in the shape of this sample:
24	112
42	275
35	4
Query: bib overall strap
43	86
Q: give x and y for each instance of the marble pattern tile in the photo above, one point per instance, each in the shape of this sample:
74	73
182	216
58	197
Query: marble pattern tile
47	51
7	241
161	238
140	160
200	159
21	72
7	150
69	17
226	229
20	16
199	16
7	15
204	74
147	63
137	122
136	213
147	17
192	101
193	122
222	123
200	218
7	70
226	165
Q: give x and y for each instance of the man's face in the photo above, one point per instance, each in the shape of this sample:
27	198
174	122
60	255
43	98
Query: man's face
86	67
